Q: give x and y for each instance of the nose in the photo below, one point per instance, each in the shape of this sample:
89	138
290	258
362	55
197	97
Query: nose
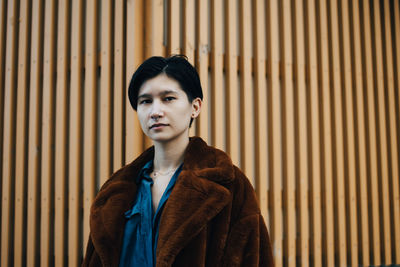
156	111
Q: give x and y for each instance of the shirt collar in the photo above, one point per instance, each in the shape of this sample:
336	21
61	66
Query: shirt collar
145	171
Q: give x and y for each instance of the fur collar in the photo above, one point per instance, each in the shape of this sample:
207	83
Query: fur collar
200	193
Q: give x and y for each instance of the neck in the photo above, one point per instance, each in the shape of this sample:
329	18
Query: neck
169	155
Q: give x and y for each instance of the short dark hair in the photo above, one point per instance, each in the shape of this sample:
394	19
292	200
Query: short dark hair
176	67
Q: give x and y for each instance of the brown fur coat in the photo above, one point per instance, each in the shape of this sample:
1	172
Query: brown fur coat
211	218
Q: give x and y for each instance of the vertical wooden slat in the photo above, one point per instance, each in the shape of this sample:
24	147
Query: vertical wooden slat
154	42
90	114
119	84
188	31
174	14
188	38
350	144
396	11
75	135
217	98
301	118
288	133
275	139
202	65
327	176
314	99
260	96
21	137
61	140
47	168
154	19
372	143
394	162
3	42
383	149
8	160
361	134
350	140
337	110
232	124
105	91
134	56
35	134
246	91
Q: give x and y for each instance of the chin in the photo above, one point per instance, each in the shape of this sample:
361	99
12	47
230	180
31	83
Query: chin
161	140
164	137
160	137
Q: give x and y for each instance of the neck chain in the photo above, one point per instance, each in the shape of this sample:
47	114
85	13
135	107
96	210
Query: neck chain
169	172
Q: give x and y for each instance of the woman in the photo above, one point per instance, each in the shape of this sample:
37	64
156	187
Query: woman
181	202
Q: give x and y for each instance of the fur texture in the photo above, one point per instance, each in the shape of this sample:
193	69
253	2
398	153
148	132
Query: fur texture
211	218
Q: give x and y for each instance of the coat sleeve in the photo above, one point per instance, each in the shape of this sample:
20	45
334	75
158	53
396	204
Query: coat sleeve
91	258
266	258
248	243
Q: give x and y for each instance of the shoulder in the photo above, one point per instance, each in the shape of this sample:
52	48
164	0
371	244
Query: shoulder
216	165
208	162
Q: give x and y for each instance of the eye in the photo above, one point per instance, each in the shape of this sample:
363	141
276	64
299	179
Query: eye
144	101
169	98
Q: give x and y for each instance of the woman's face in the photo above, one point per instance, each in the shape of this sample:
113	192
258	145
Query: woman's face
164	110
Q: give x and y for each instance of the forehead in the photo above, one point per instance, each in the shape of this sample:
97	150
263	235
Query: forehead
160	84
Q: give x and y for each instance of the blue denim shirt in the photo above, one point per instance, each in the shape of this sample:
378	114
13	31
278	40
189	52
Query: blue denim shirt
141	229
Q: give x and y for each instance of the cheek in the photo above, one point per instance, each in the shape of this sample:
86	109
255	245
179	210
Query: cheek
185	116
142	119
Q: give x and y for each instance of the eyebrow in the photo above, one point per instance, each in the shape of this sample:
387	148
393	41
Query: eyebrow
166	92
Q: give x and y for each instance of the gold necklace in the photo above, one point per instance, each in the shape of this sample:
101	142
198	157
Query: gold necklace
158	173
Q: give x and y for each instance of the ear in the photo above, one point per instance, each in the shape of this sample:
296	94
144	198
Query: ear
196	107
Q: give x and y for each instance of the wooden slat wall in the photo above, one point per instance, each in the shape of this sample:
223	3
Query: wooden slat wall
393	140
75	125
21	121
314	134
260	95
304	96
275	147
372	133
326	135
350	141
61	138
47	142
289	134
90	150
357	85
231	77
8	129
134	25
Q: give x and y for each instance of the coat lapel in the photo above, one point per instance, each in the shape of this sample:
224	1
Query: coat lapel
191	205
107	219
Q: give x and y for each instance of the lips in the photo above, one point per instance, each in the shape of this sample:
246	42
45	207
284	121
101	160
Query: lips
158	125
